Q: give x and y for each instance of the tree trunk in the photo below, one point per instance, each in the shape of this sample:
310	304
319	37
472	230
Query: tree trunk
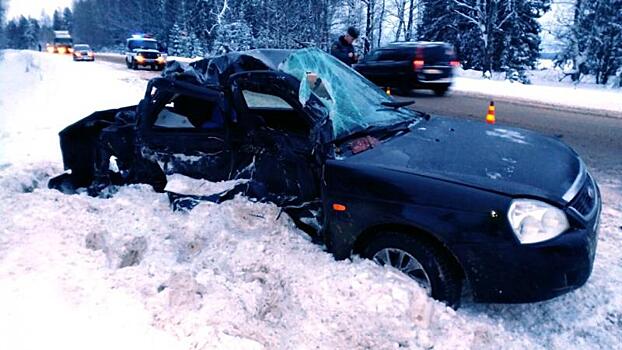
409	26
369	24
380	22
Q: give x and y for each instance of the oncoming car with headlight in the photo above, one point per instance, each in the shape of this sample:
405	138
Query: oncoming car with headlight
452	203
83	52
144	51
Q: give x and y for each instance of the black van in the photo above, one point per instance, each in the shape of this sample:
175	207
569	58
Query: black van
411	65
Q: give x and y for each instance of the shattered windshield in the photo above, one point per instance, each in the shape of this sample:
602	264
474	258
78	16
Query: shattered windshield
354	102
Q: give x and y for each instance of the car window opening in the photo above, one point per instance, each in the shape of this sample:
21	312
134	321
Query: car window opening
275	113
190	113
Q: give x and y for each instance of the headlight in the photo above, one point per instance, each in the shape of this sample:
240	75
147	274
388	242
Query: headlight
534	221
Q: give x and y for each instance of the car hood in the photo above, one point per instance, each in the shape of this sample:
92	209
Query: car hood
506	160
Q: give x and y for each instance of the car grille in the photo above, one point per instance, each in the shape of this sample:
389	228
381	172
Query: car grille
585	200
149	55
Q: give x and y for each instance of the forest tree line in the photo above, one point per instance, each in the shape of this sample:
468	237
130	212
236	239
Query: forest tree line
489	35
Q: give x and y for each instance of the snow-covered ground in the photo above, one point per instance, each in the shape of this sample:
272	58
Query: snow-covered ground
545	89
128	273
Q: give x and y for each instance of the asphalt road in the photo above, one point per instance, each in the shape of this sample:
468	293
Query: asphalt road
596	137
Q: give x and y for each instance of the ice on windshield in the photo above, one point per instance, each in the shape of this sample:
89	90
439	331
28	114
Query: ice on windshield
354	102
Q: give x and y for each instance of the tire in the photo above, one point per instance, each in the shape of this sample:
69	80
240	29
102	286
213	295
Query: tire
435	264
127	63
441	90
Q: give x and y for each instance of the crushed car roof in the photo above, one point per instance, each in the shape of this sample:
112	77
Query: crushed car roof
215	71
318	73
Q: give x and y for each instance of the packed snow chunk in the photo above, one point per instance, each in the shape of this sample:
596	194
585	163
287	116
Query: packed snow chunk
185	185
510	135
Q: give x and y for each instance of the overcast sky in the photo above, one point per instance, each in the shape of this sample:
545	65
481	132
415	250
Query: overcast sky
34	7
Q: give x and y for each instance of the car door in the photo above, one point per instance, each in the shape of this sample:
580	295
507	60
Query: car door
394	64
272	139
185	131
370	66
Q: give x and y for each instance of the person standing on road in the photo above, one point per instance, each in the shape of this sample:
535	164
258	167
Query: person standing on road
342	48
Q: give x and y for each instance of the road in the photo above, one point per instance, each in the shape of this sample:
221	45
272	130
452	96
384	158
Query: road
596	137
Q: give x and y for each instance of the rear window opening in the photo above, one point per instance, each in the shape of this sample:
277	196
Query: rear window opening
186	112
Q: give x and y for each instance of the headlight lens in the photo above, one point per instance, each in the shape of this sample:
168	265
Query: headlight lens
535	221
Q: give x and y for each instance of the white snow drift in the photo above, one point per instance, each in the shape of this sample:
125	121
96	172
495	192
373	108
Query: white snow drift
129	273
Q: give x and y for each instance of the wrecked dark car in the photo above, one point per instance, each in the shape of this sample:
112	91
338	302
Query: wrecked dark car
505	214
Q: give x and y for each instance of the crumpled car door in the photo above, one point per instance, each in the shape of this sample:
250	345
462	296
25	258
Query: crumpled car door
273	143
188	135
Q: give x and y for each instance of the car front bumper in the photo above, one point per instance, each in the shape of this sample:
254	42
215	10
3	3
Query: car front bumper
516	273
83	58
150	62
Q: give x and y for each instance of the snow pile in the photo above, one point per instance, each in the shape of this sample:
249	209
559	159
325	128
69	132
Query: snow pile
127	272
221	275
181	184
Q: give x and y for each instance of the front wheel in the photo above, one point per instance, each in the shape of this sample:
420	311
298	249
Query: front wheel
423	260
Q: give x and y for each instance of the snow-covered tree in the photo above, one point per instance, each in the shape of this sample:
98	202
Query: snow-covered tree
593	42
490	35
234	36
176	41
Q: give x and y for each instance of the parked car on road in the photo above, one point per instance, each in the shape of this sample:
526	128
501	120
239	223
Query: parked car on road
511	213
83	52
411	65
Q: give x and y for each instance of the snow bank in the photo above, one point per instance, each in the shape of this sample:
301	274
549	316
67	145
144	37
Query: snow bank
127	272
42	93
545	91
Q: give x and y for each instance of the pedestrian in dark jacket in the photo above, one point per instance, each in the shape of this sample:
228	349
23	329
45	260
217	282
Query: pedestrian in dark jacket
342	48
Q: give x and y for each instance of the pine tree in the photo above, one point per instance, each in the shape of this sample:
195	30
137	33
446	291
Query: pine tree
12	35
521	39
175	41
58	22
68	19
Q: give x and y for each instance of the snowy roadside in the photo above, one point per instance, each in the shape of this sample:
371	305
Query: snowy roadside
592	99
41	93
127	272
